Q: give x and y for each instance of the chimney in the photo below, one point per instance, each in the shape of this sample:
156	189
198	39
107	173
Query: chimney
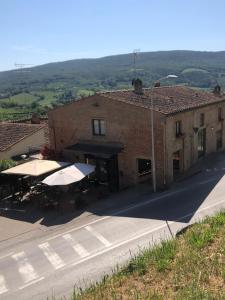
137	83
217	90
157	84
35	119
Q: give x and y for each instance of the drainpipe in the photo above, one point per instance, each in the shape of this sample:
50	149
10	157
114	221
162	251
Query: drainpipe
165	154
54	137
183	153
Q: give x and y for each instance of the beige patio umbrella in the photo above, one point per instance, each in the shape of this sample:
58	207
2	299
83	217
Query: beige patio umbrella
68	175
36	167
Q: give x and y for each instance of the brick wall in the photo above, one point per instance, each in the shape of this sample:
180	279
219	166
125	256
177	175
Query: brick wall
131	125
125	123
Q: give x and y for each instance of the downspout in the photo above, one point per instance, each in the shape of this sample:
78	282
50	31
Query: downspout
54	136
183	156
164	154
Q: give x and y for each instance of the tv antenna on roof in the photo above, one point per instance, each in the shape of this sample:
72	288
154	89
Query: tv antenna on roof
21	67
135	56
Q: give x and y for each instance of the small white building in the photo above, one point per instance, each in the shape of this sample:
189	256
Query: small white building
20	138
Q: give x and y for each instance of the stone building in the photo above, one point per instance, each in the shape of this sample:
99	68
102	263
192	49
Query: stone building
113	131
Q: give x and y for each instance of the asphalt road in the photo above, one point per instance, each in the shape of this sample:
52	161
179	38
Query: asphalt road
53	263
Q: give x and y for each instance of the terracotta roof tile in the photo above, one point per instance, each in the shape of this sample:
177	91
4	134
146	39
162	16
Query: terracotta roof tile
12	133
167	100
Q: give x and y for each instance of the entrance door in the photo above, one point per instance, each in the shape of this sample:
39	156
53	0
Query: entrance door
102	170
176	164
106	170
113	174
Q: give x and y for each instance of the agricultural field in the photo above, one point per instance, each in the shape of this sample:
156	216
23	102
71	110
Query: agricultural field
26	103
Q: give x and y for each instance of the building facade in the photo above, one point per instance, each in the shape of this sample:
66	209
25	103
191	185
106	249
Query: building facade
191	135
19	138
113	131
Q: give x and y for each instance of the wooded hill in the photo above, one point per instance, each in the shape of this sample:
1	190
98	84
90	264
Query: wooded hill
62	81
195	68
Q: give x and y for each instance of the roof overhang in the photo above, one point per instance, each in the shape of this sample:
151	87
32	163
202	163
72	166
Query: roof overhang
99	150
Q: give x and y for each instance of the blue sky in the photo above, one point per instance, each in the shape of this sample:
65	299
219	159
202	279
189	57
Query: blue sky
41	31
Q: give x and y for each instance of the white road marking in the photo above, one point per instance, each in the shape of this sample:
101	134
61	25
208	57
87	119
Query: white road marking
119	212
30	283
206	181
3	288
140	235
4	256
131	207
25	268
98	236
52	256
76	246
17	256
75	229
119	244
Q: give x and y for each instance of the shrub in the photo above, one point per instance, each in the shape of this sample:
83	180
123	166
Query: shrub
6	164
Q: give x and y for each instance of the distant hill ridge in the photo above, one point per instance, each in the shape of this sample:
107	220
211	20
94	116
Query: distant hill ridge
77	77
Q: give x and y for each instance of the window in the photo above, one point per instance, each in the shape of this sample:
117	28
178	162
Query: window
219	140
201	142
220	114
178	129
98	127
144	166
202	120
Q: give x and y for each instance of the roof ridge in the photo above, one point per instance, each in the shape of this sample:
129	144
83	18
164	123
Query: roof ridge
144	88
183	98
20	124
114	91
168	86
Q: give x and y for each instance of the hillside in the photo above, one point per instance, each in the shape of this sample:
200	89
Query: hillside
116	71
59	82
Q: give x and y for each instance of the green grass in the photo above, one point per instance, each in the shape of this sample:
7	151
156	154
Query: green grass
12	113
49	97
10	110
25	104
159	256
190	266
28	98
22	98
84	92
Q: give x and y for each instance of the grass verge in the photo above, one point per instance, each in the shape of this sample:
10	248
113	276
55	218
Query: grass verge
191	266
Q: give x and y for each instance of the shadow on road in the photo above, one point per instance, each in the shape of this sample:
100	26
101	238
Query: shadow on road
173	207
137	202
